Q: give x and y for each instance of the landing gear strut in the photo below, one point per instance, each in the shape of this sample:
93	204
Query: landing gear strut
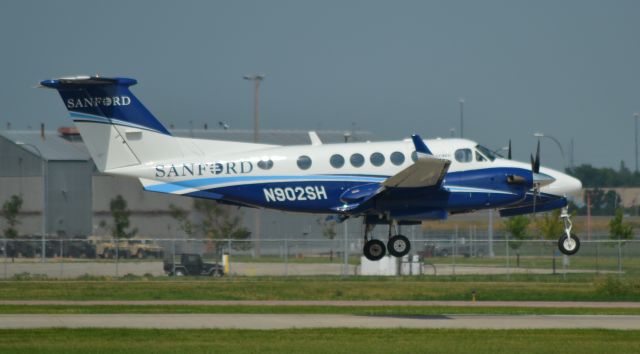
398	245
568	243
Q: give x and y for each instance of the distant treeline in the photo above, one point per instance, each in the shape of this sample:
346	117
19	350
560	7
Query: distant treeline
605	177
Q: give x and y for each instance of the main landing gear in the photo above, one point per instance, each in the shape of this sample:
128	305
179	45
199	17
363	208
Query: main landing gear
397	245
568	243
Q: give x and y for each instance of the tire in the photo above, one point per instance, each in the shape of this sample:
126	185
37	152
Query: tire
216	273
374	250
399	246
180	273
140	254
569	248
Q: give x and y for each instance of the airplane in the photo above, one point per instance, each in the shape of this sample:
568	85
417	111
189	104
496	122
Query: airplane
390	183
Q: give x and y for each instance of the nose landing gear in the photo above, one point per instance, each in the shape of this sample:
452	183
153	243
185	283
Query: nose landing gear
568	243
398	245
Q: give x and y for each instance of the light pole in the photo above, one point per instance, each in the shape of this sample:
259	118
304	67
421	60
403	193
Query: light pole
43	166
635	118
462	118
541	135
257	79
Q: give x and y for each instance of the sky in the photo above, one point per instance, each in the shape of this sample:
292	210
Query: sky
569	69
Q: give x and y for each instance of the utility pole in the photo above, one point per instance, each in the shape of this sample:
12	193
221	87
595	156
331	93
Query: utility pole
257	79
461	118
635	118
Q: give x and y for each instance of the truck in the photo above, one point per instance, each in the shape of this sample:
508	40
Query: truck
191	264
136	247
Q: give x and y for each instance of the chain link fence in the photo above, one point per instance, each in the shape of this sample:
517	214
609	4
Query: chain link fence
445	254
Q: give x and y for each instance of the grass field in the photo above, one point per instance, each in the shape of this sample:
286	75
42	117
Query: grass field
327	288
318	341
352	310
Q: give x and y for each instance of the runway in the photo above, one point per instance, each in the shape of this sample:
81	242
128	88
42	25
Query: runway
285	321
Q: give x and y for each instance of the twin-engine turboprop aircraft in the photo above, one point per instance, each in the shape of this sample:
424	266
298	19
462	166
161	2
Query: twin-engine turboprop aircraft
393	183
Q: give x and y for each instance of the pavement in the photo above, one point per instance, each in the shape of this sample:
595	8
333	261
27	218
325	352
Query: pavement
70	269
285	321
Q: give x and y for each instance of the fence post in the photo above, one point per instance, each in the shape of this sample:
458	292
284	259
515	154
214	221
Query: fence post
173	256
229	259
619	258
5	258
597	257
506	243
117	243
286	256
61	258
455	238
345	270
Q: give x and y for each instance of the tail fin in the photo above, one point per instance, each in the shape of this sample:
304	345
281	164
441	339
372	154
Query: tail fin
117	129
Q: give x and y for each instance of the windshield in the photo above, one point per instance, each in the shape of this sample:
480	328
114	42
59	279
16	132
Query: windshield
488	153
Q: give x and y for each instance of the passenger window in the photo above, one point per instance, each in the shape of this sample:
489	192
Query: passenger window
336	161
304	162
463	155
377	159
479	157
357	160
414	156
265	164
397	158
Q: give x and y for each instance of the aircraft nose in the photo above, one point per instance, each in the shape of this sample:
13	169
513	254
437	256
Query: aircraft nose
567	185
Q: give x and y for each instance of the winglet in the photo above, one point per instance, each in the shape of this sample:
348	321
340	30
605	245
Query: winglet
421	147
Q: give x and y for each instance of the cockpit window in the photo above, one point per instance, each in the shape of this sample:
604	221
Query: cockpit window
479	157
486	152
464	155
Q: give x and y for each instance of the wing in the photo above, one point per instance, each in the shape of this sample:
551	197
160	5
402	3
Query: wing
427	171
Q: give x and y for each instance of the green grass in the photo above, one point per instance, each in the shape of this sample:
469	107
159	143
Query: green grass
318	341
326	288
352	310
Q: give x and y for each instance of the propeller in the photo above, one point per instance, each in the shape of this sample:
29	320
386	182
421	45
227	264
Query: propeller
535	169
535	163
509	152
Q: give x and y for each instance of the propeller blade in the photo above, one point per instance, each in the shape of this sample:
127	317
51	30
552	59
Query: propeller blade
536	166
533	164
509	153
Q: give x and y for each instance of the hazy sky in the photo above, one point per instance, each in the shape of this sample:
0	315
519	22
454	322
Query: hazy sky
566	68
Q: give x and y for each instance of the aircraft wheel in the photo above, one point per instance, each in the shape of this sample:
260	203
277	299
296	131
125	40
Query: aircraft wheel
374	250
399	246
569	246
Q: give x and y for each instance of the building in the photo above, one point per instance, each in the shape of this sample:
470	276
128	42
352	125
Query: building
78	196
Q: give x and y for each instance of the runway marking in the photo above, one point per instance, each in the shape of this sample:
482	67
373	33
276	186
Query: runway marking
285	321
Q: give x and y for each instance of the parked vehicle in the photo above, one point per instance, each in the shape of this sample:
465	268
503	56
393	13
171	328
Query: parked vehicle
136	247
191	264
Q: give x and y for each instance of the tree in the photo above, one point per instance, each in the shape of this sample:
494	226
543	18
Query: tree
182	217
618	229
328	226
517	227
10	212
550	225
219	222
120	214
